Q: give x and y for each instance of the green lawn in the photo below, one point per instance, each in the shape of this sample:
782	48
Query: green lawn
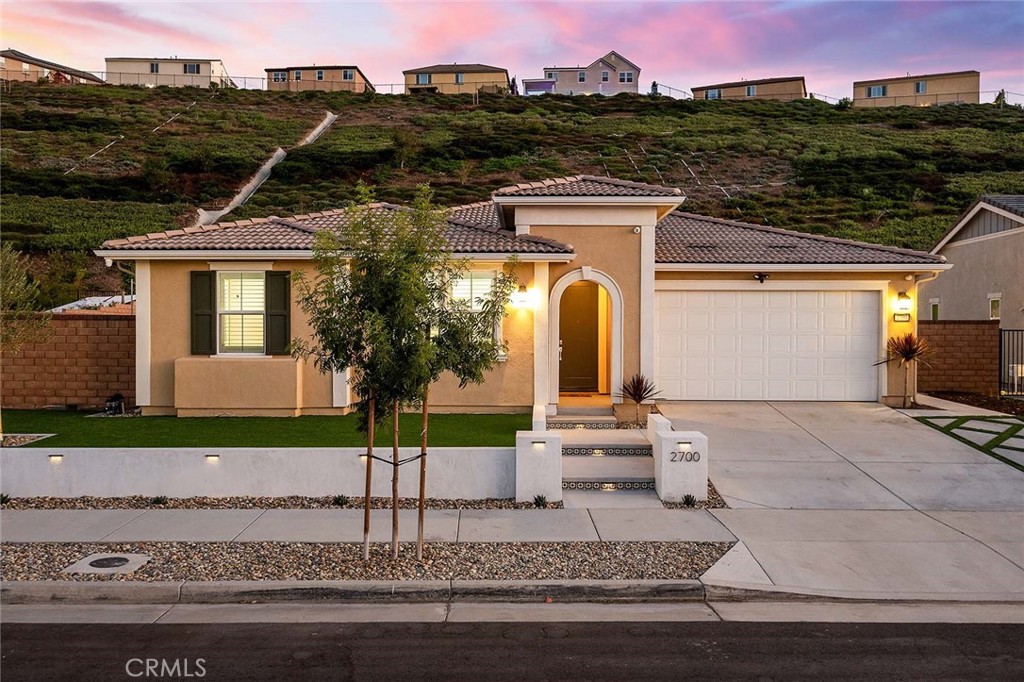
75	429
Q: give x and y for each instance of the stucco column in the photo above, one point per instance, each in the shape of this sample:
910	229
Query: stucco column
540	334
143	338
646	302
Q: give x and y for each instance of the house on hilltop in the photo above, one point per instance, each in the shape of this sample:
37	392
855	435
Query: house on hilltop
957	87
456	79
781	89
170	71
607	75
326	78
18	66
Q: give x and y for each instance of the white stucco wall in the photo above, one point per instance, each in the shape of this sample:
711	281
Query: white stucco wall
467	473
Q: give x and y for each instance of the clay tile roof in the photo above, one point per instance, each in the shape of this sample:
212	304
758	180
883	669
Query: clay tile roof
587	186
471	229
688	238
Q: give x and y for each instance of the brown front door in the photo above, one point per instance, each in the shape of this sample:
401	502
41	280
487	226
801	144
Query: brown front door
577	331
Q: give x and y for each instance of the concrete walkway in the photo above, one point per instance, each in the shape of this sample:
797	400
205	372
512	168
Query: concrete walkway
346	525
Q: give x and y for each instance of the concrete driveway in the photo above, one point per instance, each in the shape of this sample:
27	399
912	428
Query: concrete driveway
858	500
793	455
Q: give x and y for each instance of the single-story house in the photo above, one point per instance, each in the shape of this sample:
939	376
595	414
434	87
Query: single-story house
618	281
986	246
783	89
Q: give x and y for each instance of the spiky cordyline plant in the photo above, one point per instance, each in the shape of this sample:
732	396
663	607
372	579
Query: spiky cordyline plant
905	351
638	388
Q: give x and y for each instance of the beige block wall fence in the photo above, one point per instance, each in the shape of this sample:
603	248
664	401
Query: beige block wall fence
88	358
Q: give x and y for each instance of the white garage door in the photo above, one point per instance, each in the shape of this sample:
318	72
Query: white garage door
767	345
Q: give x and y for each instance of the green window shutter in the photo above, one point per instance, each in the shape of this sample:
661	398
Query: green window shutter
204	312
279	301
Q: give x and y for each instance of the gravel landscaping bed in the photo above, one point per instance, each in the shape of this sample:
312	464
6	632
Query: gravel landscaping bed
316	561
1007	405
714	501
293	502
18	439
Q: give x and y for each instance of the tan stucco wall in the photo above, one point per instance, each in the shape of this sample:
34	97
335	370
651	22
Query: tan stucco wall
446	85
783	91
900	91
991	265
172	73
198	385
892	391
332	81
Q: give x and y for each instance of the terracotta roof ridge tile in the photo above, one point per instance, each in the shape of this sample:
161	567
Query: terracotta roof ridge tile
814	237
544	183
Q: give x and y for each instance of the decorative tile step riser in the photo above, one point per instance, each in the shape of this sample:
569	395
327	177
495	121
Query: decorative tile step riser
573	426
608	485
606	452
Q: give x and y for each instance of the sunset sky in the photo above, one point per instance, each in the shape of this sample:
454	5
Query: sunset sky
680	44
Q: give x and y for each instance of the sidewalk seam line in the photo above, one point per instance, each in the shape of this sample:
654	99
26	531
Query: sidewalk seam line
257	518
132	519
594	524
972	538
170	608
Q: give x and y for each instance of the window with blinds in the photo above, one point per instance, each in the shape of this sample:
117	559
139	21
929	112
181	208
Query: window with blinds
474	288
241	309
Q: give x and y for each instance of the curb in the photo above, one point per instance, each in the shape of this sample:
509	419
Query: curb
278	591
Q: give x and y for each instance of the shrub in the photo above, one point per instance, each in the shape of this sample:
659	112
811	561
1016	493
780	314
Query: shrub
638	388
689	500
340	500
158	501
540	501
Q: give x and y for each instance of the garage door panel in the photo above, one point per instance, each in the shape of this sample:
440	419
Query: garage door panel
776	345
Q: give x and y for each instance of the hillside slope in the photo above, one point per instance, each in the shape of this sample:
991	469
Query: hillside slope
895	176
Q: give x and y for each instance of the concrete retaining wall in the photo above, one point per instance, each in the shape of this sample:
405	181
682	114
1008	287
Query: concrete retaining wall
452	473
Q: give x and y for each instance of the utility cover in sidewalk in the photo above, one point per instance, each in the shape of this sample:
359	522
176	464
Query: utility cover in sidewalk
108	563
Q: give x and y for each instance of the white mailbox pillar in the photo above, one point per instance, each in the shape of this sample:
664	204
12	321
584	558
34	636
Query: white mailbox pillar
681	465
538	465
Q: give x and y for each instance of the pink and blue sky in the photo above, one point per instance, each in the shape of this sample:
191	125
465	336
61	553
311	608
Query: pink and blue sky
680	44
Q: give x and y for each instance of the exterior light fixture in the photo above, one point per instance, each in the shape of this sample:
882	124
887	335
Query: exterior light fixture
903	306
684	445
56	458
212	457
541	443
522	298
761	276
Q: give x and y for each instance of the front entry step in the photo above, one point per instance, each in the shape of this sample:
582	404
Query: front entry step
607	451
584	411
608	486
607	469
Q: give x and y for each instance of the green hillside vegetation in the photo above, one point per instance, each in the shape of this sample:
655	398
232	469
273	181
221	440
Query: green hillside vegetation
897	176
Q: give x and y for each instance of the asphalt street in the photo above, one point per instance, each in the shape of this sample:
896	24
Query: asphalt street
515	652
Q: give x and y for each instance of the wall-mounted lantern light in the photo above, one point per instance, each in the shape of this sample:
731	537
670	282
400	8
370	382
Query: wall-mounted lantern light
903	306
522	298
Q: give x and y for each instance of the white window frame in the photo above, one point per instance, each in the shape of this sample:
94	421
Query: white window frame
921	88
625	76
498	333
550	75
995	301
605	76
933	309
319	74
460	78
751	91
581	76
220	312
24	67
423	79
191	65
280	76
713	93
298	74
877	90
348	74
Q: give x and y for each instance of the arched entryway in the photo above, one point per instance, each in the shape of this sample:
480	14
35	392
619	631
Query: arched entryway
585	335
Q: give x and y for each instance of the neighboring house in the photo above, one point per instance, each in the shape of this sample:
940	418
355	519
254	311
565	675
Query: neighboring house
18	66
454	79
170	71
330	78
608	75
986	250
958	87
782	89
618	282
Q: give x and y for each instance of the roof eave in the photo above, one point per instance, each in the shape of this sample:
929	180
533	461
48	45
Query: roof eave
800	267
111	255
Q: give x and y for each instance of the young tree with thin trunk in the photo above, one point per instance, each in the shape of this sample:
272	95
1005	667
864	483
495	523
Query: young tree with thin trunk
905	351
20	320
